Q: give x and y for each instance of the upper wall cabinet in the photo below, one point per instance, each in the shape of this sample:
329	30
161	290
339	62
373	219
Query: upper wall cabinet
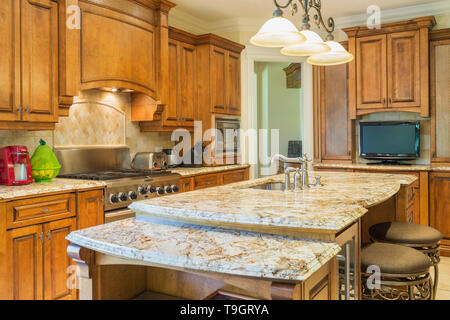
179	109
29	64
219	73
440	96
390	71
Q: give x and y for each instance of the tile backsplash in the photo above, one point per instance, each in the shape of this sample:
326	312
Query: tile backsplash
97	118
425	132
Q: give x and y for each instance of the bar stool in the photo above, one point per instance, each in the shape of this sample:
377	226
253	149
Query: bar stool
404	273
419	237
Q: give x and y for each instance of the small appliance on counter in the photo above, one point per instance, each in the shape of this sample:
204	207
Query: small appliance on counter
150	161
15	166
172	158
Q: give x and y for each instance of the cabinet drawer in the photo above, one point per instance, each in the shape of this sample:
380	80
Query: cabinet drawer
38	210
205	181
186	185
234	176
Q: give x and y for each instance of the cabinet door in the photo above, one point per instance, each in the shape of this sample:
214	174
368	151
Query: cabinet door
403	69
440	204
440	97
90	210
336	128
188	84
9	61
171	111
371	86
233	83
39	28
56	260
24	260
218	77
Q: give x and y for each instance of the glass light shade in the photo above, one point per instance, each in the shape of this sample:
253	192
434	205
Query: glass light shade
337	55
313	45
277	32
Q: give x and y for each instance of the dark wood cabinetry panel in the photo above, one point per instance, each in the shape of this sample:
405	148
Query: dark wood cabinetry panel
440	207
371	72
440	97
403	69
335	123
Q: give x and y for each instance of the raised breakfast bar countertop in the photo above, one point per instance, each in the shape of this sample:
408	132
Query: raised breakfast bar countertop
343	198
207	249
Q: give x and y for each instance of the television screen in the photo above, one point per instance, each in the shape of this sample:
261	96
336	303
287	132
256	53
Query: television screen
389	140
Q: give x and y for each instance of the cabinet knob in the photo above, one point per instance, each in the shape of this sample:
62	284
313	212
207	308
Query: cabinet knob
20	109
27	109
41	237
49	235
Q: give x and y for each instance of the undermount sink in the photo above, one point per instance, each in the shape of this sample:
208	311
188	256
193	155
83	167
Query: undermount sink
277	186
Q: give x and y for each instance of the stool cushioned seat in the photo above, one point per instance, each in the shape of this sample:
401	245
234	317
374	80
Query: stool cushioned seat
405	233
394	259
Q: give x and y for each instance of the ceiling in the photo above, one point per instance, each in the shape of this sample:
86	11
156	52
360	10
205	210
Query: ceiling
214	10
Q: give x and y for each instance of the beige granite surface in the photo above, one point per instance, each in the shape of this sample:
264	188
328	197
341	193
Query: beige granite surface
381	167
187	172
343	198
56	185
208	249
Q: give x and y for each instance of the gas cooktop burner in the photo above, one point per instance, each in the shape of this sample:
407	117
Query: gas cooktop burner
114	174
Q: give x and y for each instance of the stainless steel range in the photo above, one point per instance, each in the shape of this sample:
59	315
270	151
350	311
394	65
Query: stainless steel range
123	184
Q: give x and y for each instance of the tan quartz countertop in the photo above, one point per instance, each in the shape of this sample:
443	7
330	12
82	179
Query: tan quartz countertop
188	172
56	185
342	199
208	249
363	166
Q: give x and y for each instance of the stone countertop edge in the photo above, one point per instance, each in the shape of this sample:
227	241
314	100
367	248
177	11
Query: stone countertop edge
196	265
56	185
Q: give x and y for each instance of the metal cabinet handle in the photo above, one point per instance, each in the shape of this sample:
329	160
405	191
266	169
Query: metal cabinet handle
27	109
41	237
45	210
20	109
49	235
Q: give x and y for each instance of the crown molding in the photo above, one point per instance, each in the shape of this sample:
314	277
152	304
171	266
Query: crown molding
188	22
393	15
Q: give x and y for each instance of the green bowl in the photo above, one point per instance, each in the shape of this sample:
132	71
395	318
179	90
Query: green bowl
44	175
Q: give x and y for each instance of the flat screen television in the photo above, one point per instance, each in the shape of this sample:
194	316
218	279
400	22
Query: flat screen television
389	141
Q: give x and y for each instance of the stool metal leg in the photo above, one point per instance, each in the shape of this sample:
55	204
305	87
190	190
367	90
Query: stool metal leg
436	280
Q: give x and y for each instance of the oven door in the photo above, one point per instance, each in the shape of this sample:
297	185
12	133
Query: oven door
120	214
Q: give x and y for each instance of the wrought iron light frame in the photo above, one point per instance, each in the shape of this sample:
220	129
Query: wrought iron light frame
307	5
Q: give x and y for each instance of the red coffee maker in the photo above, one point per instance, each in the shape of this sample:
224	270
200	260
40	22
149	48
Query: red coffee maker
15	166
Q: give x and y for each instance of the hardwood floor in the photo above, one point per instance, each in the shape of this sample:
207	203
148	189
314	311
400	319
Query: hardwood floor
444	281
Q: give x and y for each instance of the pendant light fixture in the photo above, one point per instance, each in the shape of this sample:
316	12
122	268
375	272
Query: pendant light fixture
277	32
280	32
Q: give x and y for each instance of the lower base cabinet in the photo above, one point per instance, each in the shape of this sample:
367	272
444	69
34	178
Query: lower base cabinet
440	207
202	181
35	264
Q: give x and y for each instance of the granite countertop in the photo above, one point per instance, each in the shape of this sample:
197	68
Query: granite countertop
208	249
365	166
343	199
56	185
187	172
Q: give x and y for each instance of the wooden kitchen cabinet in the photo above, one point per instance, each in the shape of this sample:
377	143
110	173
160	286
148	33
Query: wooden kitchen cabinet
90	210
33	245
390	71
440	95
179	111
336	132
56	260
24	261
29	73
440	207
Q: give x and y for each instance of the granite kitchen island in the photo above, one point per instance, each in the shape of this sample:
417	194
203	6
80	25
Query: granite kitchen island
239	241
